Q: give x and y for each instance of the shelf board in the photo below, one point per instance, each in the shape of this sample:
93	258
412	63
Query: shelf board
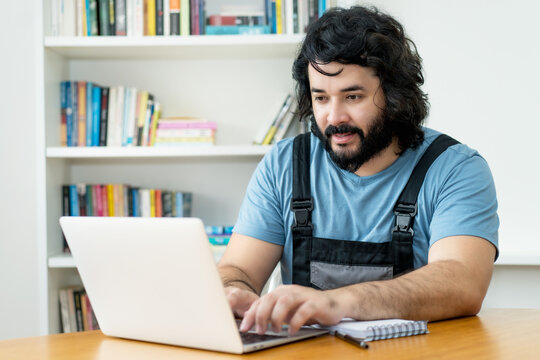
175	47
157	152
63	260
66	261
510	259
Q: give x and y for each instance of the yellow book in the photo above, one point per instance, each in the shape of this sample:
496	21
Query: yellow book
110	199
155	119
279	18
83	7
151	18
269	135
141	117
152	203
120	196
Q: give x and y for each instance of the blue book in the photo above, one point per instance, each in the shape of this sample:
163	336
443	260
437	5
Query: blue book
237	29
268	11
125	120
186	203
75	113
273	18
88	21
179	204
322	7
89	115
73	200
96	114
135	201
67	104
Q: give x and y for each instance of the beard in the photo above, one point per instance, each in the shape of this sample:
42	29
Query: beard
351	157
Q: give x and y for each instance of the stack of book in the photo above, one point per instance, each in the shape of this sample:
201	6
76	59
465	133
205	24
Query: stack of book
275	130
182	17
127	17
124	200
93	115
179	131
76	311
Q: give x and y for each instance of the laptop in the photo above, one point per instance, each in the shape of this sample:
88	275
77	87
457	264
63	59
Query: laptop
155	279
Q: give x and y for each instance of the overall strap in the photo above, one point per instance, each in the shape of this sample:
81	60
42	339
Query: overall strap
301	206
406	206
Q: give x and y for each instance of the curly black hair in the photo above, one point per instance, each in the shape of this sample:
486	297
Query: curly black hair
367	37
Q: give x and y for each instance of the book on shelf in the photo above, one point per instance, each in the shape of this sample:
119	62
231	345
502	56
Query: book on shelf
95	115
180	17
276	129
180	131
76	313
123	200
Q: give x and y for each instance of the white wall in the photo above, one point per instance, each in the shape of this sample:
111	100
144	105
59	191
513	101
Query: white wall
19	304
481	62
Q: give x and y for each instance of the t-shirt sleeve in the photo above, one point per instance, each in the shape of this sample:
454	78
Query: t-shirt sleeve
260	213
467	202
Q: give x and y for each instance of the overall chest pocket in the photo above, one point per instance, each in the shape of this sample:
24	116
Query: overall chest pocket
337	263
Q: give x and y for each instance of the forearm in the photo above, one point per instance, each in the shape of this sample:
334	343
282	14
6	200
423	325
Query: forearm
439	290
234	276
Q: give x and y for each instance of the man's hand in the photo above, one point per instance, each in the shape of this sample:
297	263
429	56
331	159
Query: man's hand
295	305
240	300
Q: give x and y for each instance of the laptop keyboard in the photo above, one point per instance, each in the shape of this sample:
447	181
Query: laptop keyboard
251	338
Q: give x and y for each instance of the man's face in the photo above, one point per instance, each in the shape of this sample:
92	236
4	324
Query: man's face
348	113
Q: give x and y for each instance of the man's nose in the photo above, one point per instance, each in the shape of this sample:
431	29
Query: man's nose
336	114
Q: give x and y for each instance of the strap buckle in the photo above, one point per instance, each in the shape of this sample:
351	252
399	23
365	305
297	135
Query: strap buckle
302	210
405	214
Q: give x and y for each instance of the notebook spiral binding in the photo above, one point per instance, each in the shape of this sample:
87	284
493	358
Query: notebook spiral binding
396	330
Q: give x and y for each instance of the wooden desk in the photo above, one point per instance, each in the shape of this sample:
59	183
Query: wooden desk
494	334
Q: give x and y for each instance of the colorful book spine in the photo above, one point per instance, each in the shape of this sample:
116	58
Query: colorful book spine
89	113
185	17
104	27
238	30
174	7
151	18
104	114
96	114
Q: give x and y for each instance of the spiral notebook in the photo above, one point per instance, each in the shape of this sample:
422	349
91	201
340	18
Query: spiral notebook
380	329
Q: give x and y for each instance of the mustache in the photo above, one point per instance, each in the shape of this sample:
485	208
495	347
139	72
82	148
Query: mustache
343	129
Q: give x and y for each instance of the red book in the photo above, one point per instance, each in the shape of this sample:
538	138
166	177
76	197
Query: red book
158	203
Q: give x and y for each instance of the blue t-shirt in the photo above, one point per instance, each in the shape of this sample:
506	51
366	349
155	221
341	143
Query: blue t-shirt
457	198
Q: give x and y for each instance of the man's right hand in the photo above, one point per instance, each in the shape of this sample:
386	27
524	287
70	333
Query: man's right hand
240	300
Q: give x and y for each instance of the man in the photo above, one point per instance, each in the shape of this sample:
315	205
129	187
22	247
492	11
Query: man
349	248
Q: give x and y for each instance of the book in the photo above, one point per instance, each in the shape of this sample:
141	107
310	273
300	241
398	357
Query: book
96	115
174	9
378	329
151	18
275	124
65	212
185	17
104	27
237	29
286	122
112	17
159	17
104	114
120	14
63	113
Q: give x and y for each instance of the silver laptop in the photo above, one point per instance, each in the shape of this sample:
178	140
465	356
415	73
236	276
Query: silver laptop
155	279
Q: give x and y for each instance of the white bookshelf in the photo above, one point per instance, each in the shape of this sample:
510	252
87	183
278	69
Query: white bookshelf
156	152
235	81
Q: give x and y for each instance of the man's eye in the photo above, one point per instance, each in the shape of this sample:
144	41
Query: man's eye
319	98
354	97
